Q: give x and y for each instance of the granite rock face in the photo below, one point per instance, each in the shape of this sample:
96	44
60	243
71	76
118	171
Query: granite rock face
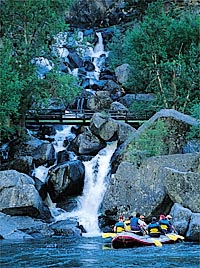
144	185
186	222
183	188
19	197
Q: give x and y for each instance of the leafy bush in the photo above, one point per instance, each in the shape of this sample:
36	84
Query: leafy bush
150	142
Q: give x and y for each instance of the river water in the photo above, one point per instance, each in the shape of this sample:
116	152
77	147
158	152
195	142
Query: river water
91	252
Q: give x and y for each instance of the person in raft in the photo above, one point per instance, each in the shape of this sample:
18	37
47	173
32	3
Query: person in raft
120	226
142	223
128	227
165	224
154	228
172	228
137	224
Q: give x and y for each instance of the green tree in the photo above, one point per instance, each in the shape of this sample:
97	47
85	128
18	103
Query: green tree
163	52
28	31
9	92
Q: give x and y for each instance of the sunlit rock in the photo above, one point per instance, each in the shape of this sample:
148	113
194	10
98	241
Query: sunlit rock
180	218
18	196
182	188
122	73
193	232
87	143
140	185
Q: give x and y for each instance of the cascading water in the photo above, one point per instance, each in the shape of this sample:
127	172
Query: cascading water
97	54
62	133
96	180
97	172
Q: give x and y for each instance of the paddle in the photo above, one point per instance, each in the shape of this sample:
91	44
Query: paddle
174	237
180	236
171	237
157	243
108	235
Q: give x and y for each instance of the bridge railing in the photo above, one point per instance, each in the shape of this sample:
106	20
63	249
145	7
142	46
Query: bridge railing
75	115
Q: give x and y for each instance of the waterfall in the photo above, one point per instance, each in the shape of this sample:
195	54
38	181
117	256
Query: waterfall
97	172
97	54
62	133
99	47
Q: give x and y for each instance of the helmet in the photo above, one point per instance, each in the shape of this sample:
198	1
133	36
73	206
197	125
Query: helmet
162	217
153	219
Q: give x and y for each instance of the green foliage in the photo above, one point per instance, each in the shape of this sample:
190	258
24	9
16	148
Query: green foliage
138	106
28	30
163	53
195	111
195	130
150	141
56	85
9	93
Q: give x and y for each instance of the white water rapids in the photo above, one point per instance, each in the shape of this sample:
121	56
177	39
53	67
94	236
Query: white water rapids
96	180
97	172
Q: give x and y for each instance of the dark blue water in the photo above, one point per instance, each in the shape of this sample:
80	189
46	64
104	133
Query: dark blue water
90	252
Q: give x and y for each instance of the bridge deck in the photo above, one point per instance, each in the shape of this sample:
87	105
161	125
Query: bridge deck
82	118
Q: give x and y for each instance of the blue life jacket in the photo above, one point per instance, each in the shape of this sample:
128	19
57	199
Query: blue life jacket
119	226
164	224
154	228
134	224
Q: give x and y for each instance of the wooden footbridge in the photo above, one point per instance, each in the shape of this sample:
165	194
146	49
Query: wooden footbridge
74	117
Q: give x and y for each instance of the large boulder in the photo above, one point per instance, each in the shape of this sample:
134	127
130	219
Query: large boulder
66	180
100	101
42	152
180	218
134	189
193	232
18	196
117	106
182	188
186	222
23	227
114	90
122	73
124	131
87	143
103	126
140	185
66	227
23	164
